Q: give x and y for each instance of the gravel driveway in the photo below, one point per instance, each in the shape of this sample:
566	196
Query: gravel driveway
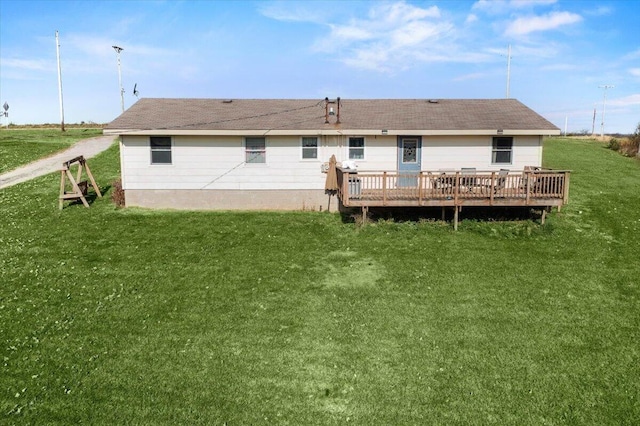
87	147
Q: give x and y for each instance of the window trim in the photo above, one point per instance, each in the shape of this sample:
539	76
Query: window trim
247	151
303	148
495	150
153	149
363	148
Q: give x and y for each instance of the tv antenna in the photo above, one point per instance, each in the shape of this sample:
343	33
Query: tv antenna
135	90
604	103
508	70
119	49
60	83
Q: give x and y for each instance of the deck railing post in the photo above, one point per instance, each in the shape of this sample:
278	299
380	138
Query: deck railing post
420	177
492	187
384	188
456	189
527	186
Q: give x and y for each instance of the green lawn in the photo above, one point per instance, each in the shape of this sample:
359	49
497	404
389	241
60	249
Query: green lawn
21	146
132	316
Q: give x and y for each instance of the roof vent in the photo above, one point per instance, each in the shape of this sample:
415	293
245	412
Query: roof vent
433	101
227	101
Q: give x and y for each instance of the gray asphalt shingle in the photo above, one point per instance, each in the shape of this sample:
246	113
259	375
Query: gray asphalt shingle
309	114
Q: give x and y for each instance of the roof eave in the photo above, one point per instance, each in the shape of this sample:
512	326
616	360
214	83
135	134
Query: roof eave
331	132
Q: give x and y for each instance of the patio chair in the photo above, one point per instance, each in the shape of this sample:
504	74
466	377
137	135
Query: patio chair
468	179
501	180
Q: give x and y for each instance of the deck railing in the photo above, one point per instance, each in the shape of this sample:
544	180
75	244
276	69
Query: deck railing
507	188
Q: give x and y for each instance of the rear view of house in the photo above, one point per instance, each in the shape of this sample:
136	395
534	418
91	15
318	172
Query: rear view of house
274	153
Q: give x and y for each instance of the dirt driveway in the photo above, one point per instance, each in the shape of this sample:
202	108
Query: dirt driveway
87	147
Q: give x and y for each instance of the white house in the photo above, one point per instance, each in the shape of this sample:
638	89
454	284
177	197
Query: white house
273	153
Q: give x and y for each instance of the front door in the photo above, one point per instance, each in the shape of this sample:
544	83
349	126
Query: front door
409	157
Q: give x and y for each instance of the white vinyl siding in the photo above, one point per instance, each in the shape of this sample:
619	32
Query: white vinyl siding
218	162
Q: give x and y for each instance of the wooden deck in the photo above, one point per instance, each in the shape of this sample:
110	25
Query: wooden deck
541	188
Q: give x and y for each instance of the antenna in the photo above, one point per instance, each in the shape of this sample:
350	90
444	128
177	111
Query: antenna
60	83
119	49
6	112
604	103
135	90
508	70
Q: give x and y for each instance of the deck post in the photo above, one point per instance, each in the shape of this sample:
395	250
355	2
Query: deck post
544	215
455	218
365	215
527	186
420	188
444	211
384	188
492	188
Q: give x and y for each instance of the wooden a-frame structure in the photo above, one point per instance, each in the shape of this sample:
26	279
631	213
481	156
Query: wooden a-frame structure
79	187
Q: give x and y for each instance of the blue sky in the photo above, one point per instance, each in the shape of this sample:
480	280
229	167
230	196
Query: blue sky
562	51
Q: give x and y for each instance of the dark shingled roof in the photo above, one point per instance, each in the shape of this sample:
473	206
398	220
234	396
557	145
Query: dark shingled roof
309	114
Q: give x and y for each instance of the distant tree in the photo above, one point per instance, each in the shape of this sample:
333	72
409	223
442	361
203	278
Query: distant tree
635	140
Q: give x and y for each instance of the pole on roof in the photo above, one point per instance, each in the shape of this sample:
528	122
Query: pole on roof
60	83
508	71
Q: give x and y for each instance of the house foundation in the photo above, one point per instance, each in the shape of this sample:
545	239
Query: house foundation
185	199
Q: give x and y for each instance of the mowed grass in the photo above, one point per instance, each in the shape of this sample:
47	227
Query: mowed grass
21	146
132	316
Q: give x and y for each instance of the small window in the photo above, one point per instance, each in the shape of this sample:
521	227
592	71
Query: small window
356	148
255	150
502	150
160	149
309	148
409	151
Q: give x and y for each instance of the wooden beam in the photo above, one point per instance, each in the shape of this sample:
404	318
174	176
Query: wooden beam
455	218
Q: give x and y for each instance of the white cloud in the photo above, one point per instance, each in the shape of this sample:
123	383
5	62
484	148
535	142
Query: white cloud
291	12
390	33
473	76
471	18
553	20
504	6
626	101
632	55
559	67
28	64
635	72
599	11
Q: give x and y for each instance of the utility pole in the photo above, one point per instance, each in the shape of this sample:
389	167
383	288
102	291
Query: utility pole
60	83
118	50
508	70
593	123
604	103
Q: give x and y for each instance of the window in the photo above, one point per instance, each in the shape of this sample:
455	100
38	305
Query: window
160	149
502	150
255	150
356	148
309	148
409	151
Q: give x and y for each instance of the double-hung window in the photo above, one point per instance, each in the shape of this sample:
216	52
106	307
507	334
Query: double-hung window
309	148
255	150
356	148
502	151
160	149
